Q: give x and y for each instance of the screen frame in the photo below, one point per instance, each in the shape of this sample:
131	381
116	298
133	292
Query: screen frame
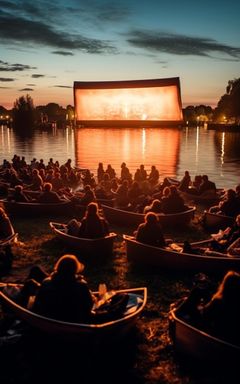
118	84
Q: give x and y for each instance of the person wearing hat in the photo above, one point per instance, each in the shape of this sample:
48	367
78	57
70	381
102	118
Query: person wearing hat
64	294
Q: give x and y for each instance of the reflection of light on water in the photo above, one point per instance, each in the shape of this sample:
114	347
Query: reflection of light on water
8	140
197	147
222	151
143	141
67	139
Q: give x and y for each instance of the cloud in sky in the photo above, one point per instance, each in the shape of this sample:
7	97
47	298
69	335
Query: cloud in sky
6	67
26	89
37	75
34	24
24	27
62	86
6	79
63	53
179	44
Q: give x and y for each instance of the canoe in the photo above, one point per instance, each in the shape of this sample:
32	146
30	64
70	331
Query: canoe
170	259
137	298
99	247
128	218
207	198
214	221
31	209
190	342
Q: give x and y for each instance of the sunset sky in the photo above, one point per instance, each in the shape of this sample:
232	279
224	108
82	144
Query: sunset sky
47	45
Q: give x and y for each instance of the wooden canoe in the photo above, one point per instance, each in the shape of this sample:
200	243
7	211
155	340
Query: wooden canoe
137	298
193	343
99	247
31	209
214	221
128	218
167	258
207	198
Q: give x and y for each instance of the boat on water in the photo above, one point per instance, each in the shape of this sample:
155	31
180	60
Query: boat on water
78	332
99	247
129	218
174	259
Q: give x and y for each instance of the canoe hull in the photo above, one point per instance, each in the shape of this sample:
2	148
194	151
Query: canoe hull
143	254
128	218
37	209
83	332
213	221
196	344
100	247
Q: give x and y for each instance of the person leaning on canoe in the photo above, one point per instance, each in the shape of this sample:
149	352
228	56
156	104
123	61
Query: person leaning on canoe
150	232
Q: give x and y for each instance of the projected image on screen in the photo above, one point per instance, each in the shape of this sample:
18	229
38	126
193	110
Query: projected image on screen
139	103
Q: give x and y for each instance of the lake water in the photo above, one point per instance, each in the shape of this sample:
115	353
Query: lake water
173	151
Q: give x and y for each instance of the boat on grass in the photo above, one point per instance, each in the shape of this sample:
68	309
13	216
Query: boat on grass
99	247
192	342
33	209
129	218
172	258
214	221
100	332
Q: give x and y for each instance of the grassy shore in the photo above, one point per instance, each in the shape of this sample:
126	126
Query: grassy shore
147	357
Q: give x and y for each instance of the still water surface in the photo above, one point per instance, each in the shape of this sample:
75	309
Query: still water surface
173	151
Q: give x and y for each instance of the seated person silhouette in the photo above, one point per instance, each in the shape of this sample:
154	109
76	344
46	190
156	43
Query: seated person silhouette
18	195
155	207
150	232
222	312
92	226
64	295
48	196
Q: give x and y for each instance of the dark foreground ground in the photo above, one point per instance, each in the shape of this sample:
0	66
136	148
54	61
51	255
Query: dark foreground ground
145	356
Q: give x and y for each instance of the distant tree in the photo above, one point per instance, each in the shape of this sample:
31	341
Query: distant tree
189	114
200	113
3	111
23	114
70	113
228	107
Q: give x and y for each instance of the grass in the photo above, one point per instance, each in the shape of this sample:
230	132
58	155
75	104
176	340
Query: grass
152	359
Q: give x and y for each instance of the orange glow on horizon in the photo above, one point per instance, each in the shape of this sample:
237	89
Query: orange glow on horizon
143	103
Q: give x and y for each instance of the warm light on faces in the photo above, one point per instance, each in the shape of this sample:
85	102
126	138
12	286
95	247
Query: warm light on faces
146	103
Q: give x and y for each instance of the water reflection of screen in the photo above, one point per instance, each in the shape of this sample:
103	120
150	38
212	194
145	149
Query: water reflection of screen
154	103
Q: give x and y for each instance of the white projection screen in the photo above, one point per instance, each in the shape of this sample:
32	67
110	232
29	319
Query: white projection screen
145	102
